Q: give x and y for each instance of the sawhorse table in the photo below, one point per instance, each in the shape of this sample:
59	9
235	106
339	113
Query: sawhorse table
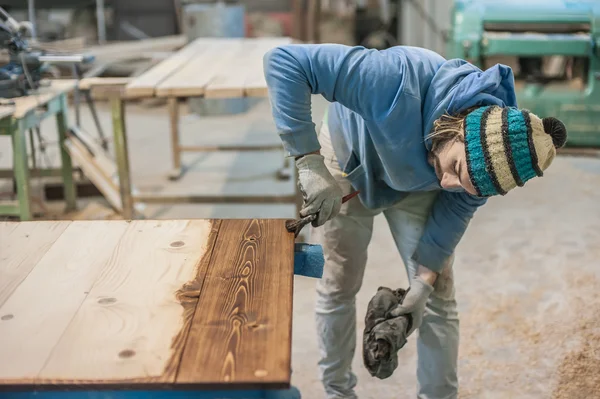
110	307
210	68
26	113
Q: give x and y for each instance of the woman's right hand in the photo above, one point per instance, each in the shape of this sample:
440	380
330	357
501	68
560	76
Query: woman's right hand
322	195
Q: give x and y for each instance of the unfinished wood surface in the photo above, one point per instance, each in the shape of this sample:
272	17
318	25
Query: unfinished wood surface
40	309
228	80
192	79
241	333
99	168
134	49
146	84
255	84
22	245
6	111
130	325
225	68
24	105
90	83
104	184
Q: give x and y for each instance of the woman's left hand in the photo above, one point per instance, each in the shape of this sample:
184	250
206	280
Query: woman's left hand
414	302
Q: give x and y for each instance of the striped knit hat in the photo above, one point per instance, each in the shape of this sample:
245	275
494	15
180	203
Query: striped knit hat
505	147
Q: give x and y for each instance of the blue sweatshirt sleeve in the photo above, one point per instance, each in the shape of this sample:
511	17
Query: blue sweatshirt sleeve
446	225
363	80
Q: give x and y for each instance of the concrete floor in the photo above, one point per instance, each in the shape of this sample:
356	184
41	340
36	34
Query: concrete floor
527	270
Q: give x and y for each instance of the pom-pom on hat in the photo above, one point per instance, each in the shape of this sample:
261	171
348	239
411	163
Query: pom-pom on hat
505	147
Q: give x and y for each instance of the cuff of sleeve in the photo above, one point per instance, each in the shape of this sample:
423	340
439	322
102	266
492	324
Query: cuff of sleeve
431	257
300	142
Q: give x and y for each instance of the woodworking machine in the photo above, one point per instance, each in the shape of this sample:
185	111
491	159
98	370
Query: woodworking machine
553	47
26	66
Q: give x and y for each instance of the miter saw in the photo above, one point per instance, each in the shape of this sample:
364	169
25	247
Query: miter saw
26	66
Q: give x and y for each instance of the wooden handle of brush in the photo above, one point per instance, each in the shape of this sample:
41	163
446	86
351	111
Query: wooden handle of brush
348	197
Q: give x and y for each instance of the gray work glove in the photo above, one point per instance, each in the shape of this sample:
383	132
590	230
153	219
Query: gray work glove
322	195
414	302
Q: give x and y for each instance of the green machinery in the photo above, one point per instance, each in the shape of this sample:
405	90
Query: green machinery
553	47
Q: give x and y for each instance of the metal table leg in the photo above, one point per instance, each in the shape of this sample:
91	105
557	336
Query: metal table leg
121	154
67	165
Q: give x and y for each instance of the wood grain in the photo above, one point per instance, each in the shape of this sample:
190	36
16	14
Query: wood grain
255	84
228	81
241	332
192	79
24	105
44	304
22	245
130	325
145	85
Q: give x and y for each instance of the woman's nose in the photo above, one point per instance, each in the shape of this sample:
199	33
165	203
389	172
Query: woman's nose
450	180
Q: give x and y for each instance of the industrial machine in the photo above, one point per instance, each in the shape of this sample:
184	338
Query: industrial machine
26	66
553	47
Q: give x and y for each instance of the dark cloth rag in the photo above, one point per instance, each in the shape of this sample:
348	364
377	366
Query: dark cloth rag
384	335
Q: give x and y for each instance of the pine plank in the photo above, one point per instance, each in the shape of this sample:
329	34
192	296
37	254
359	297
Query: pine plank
22	245
132	325
24	105
228	81
241	332
192	79
43	305
84	160
146	84
6	111
255	84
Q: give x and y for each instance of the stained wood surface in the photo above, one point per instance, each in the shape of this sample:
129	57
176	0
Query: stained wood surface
211	67
242	328
153	304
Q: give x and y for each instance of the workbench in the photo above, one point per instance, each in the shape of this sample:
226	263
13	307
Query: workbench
210	68
26	114
104	307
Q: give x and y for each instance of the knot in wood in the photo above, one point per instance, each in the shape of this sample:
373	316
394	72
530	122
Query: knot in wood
7	317
127	353
177	244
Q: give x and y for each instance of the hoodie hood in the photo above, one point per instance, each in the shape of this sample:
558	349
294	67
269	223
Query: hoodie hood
459	85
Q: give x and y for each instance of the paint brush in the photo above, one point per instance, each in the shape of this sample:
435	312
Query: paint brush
295	226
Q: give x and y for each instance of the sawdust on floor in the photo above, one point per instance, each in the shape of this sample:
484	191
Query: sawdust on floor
555	355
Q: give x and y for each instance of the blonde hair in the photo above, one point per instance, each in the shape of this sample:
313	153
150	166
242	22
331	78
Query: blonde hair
447	129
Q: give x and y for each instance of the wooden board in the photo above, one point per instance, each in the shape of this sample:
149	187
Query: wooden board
149	304
16	262
222	68
24	105
241	332
44	304
192	79
255	84
134	49
92	83
126	326
6	111
146	84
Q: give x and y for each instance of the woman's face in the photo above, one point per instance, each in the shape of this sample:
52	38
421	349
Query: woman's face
450	165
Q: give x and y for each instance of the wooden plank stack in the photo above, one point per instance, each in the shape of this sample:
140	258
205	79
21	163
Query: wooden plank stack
152	304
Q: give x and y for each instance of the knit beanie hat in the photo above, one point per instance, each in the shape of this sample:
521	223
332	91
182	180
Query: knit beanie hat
505	147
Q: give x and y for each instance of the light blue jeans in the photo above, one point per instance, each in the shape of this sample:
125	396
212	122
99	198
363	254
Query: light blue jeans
345	240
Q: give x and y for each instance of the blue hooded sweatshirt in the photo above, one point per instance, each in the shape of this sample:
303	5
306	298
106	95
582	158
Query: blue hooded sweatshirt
383	106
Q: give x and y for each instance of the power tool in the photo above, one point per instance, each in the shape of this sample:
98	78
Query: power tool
26	66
